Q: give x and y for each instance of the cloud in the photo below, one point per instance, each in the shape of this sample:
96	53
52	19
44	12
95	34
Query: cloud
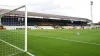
76	8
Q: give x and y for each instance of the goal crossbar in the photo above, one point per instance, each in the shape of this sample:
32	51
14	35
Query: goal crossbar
14	9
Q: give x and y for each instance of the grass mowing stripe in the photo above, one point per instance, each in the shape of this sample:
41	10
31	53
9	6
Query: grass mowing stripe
67	40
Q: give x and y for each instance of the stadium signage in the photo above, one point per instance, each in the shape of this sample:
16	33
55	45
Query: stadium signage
34	17
12	15
54	18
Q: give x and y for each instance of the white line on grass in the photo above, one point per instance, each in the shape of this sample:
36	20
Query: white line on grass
68	40
16	47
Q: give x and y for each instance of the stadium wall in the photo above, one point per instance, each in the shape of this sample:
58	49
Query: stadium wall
45	27
29	27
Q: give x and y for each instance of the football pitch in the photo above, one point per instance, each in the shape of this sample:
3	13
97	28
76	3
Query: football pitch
63	42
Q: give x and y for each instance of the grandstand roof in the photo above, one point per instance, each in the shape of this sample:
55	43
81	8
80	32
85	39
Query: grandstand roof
48	16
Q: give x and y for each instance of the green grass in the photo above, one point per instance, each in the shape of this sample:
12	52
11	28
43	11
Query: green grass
45	42
40	45
14	37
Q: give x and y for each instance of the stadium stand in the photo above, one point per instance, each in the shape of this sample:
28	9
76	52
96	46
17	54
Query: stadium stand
43	21
47	27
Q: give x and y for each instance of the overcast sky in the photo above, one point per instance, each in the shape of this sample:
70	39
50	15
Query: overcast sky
76	8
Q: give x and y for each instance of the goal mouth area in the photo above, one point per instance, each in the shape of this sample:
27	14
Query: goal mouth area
13	32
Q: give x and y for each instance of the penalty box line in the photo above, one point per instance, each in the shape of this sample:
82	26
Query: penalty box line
69	40
16	47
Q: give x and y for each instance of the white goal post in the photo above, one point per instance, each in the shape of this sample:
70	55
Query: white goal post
13	42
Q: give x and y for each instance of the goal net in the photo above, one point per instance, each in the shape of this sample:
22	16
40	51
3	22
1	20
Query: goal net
13	31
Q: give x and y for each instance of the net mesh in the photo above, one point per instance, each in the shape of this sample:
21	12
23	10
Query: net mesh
12	33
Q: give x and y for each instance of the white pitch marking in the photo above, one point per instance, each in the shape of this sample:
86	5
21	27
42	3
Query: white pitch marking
16	47
67	40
